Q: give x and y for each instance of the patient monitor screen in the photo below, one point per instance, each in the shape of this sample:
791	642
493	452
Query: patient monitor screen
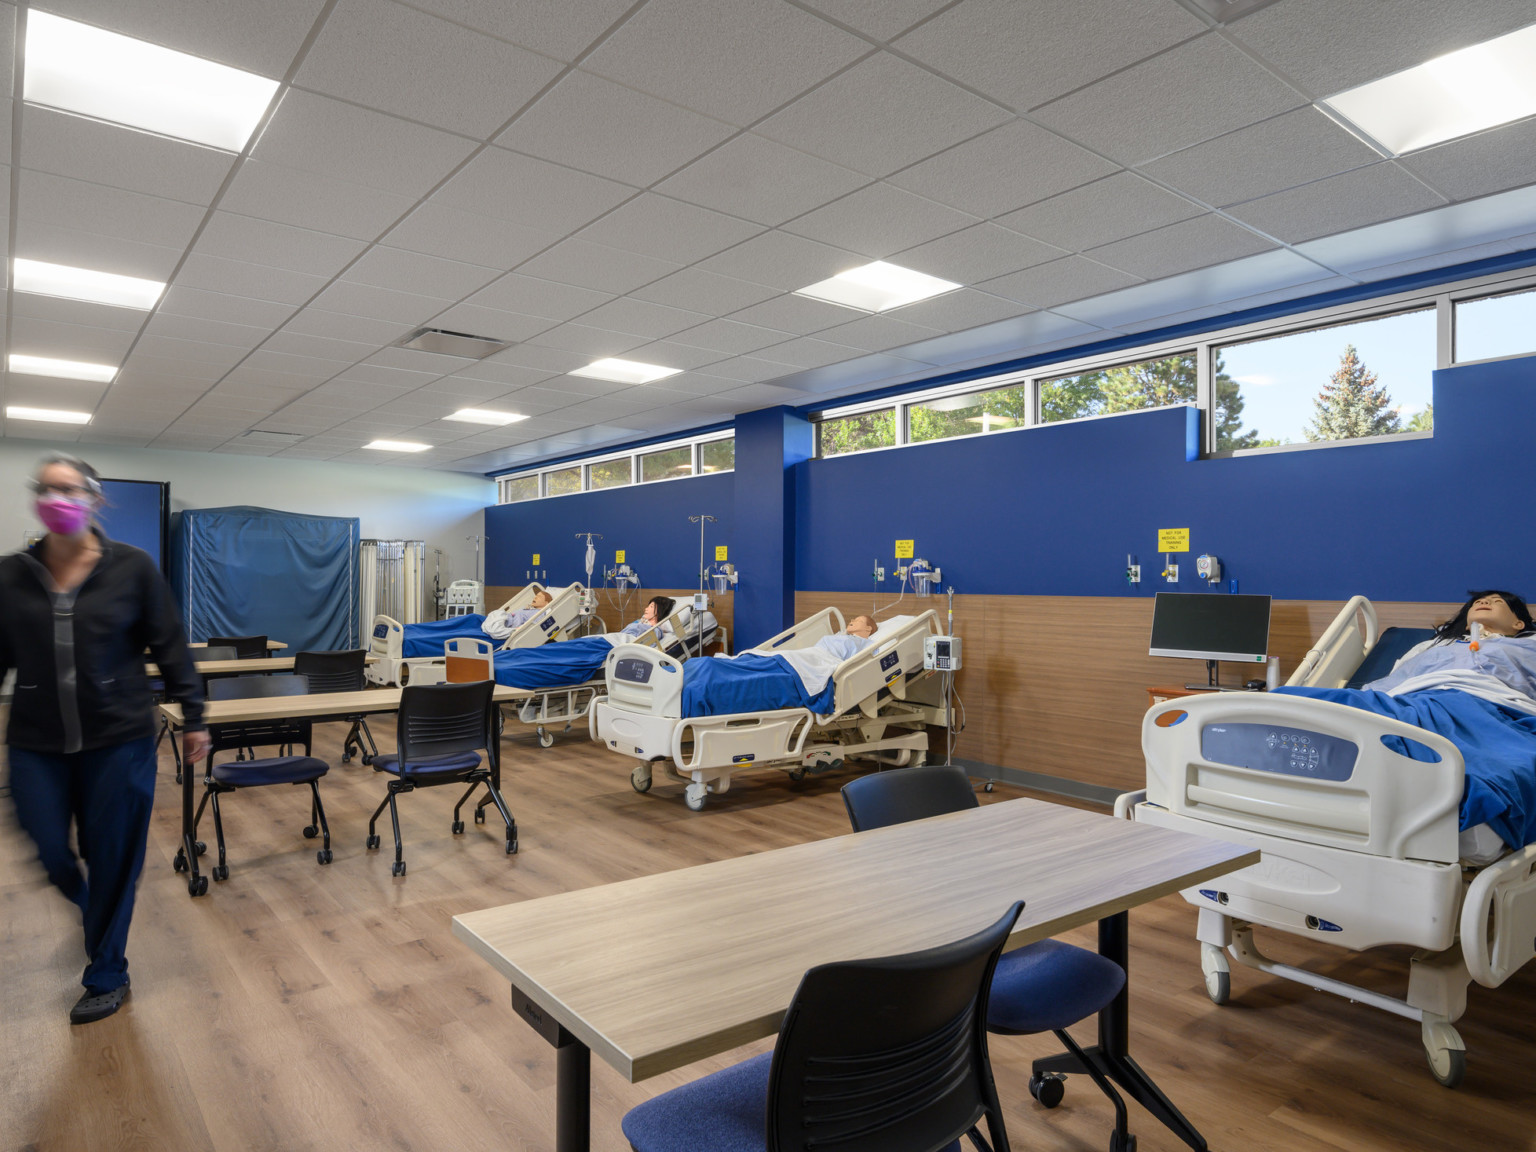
1210	626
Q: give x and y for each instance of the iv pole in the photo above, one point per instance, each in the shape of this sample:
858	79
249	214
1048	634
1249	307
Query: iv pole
701	520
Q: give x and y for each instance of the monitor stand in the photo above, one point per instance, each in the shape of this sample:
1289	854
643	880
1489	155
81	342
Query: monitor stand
1212	674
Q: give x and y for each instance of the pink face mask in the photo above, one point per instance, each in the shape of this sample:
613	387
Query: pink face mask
62	515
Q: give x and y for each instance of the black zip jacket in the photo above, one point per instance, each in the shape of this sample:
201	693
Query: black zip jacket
79	658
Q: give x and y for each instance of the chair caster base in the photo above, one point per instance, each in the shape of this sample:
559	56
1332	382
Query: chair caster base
399	868
310	832
202	848
1116	1144
197	885
479	815
179	864
1048	1088
512	846
372	842
323	856
220	872
458	827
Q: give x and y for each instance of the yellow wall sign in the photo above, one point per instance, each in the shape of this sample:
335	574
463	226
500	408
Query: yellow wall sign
618	557
535	559
905	549
1173	539
720	552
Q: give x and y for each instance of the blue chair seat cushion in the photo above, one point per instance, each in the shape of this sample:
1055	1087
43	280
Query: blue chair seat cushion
1049	985
274	770
448	766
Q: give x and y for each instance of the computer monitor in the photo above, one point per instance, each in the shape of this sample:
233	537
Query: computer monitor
1211	626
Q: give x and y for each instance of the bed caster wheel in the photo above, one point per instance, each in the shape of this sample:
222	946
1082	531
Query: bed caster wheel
399	868
546	738
479	815
323	856
197	885
458	827
918	760
310	831
1445	1051
797	774
220	872
201	848
987	787
1048	1088
180	862
372	842
1218	973
640	778
695	796
1117	1143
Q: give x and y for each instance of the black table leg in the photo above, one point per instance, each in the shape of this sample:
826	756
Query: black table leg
573	1076
1112	1053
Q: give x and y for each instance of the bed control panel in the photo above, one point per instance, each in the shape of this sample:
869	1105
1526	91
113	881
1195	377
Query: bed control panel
634	671
1283	751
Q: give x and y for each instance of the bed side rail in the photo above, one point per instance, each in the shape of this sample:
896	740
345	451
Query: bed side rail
644	679
748	739
827	622
523	598
1341	648
563	609
1385	804
884	664
1498	918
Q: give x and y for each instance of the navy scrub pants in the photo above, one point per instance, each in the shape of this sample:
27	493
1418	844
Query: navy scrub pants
108	794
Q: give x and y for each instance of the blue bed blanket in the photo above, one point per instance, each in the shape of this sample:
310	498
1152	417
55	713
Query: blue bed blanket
428	639
1498	745
560	665
750	682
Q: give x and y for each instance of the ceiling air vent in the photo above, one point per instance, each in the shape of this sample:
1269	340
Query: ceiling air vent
270	439
447	343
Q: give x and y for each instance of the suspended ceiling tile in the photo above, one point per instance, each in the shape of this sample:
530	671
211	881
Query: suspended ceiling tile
337	326
311	368
593	124
1339	203
881	115
168	370
324	347
81	249
403	271
1491	161
67	203
735	59
977	253
557	28
809	352
674	355
1005	339
398	60
878	333
851	375
729	336
879	220
1180	247
1003	169
761	180
430	364
782	261
747	368
1188	94
306	200
274	245
952	311
238	278
438	230
90	150
61	311
183	301
531	296
396	379
700	291
343	142
1048	285
1099	213
596	266
493	322
696	384
880	19
208	331
798	314
593	343
532	192
188	352
555	360
642	318
1294	148
380	303
668	229
1026	56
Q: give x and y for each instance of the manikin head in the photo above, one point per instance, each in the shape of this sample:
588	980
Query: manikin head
861	626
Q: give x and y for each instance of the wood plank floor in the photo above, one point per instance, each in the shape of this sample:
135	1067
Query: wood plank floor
299	1007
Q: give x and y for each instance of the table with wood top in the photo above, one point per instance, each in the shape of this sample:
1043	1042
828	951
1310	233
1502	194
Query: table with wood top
272	645
741	933
241	667
316	706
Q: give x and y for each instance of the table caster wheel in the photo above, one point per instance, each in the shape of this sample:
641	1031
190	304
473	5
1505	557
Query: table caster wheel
399	868
220	872
323	856
1116	1144
512	846
180	862
479	815
458	827
373	842
640	778
197	885
367	760
201	848
310	832
1048	1088
545	738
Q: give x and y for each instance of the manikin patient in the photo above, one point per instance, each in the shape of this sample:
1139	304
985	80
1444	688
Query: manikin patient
659	608
852	639
1499	666
541	601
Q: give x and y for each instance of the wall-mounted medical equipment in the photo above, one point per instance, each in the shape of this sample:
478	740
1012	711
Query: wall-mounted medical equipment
941	653
1132	569
924	576
1208	568
1170	570
723	577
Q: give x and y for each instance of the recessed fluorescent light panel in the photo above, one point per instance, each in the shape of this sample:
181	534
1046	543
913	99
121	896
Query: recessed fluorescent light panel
77	68
1453	95
397	446
62	369
485	416
878	287
83	284
52	415
625	371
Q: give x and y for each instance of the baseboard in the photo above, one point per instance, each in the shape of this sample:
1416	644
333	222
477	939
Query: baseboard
1040	782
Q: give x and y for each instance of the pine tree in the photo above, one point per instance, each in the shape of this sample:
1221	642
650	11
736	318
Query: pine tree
1352	404
1423	421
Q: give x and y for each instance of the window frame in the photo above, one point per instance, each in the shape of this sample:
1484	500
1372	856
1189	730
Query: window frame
584	465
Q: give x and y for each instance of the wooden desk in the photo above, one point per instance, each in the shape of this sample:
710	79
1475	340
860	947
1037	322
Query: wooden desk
240	667
272	645
1163	693
737	935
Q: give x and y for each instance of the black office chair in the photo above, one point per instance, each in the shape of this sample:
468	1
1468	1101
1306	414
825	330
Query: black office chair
341	671
284	768
439	731
246	647
1046	986
157	694
887	1054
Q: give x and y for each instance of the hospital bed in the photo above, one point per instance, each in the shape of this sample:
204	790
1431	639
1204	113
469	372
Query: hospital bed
882	703
392	665
1361	844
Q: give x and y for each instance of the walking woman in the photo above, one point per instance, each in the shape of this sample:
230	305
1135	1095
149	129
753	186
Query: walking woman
77	613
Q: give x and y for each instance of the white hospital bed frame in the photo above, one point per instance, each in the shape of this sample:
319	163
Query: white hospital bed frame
557	617
1359	863
883	703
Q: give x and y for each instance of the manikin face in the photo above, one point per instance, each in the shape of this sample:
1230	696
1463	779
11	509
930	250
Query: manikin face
1494	615
541	599
861	626
650	613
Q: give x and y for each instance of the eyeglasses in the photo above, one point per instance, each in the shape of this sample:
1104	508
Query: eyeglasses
68	491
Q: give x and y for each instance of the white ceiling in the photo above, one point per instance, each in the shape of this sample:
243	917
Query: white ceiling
651	180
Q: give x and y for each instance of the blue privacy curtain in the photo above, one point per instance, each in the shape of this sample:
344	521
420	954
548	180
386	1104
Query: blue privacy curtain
254	571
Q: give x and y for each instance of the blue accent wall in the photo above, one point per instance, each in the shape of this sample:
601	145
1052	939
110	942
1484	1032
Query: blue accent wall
648	521
1054	510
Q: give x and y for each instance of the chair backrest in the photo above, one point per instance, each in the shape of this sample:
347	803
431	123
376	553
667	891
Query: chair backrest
884	798
890	1054
441	719
255	733
213	653
338	671
246	647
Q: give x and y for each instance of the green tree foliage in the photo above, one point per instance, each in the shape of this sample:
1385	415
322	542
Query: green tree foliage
856	433
966	415
1422	421
1352	404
